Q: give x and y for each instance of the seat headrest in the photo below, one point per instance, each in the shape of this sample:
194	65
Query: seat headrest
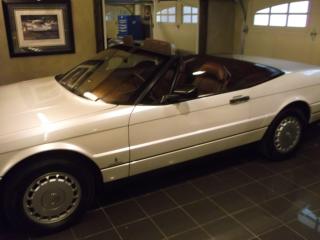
217	70
158	46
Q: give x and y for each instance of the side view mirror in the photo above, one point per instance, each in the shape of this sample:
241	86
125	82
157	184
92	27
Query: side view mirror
181	94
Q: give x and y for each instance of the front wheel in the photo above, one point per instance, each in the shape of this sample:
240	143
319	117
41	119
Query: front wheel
47	196
284	134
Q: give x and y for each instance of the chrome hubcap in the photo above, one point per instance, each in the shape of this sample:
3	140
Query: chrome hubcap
287	135
52	198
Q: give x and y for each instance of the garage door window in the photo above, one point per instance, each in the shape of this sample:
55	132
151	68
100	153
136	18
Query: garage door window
292	14
167	15
190	14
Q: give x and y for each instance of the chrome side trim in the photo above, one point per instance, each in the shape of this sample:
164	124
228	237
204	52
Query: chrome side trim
115	173
190	153
315	117
315	107
252	121
111	153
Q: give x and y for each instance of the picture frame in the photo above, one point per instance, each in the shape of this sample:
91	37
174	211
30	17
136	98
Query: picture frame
39	27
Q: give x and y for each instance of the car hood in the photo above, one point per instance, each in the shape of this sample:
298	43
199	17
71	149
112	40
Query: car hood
32	103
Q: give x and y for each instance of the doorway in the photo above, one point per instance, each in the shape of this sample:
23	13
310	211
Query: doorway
175	22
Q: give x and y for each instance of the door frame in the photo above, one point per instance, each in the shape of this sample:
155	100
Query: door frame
203	26
100	26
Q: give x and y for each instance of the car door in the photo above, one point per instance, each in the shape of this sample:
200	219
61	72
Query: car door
167	133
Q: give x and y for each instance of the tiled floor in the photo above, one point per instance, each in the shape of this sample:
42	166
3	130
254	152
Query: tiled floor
234	195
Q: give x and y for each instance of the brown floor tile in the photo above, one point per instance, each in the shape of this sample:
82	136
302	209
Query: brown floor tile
315	188
124	213
313	168
204	211
285	165
143	229
307	228
173	222
156	202
227	229
300	176
196	234
256	170
281	233
256	192
233	178
282	208
232	201
257	220
8	233
108	235
278	184
13	236
314	152
184	193
93	222
67	234
304	199
210	185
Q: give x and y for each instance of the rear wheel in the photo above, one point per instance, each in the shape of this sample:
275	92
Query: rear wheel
47	195
284	134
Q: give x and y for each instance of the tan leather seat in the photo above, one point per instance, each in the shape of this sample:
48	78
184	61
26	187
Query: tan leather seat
128	40
214	80
158	46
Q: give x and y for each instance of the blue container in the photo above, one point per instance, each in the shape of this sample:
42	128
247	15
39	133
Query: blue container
131	25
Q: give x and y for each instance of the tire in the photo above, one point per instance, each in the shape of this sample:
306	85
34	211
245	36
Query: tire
47	195
284	135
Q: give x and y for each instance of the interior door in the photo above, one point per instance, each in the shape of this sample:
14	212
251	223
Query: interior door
165	134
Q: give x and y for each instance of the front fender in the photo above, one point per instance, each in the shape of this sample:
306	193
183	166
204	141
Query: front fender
10	159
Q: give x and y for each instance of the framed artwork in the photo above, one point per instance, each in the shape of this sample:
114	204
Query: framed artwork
39	27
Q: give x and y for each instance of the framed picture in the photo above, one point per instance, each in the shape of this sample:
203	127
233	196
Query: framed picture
38	27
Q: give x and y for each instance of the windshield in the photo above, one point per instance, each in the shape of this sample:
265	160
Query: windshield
115	76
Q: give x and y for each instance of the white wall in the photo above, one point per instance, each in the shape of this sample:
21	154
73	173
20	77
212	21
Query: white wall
183	36
285	43
221	21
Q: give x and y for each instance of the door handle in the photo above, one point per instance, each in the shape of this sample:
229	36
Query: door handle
239	99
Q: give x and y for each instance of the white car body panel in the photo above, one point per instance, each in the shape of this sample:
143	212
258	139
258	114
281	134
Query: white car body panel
30	104
128	140
48	117
182	155
284	65
299	87
185	124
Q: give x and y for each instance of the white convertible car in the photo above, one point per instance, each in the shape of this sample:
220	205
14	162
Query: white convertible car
129	111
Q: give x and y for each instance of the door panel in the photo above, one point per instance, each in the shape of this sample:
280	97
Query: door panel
156	130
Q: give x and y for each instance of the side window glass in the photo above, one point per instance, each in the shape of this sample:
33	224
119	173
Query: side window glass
208	77
161	88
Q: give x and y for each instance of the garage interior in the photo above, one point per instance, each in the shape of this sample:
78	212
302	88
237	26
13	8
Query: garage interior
233	195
